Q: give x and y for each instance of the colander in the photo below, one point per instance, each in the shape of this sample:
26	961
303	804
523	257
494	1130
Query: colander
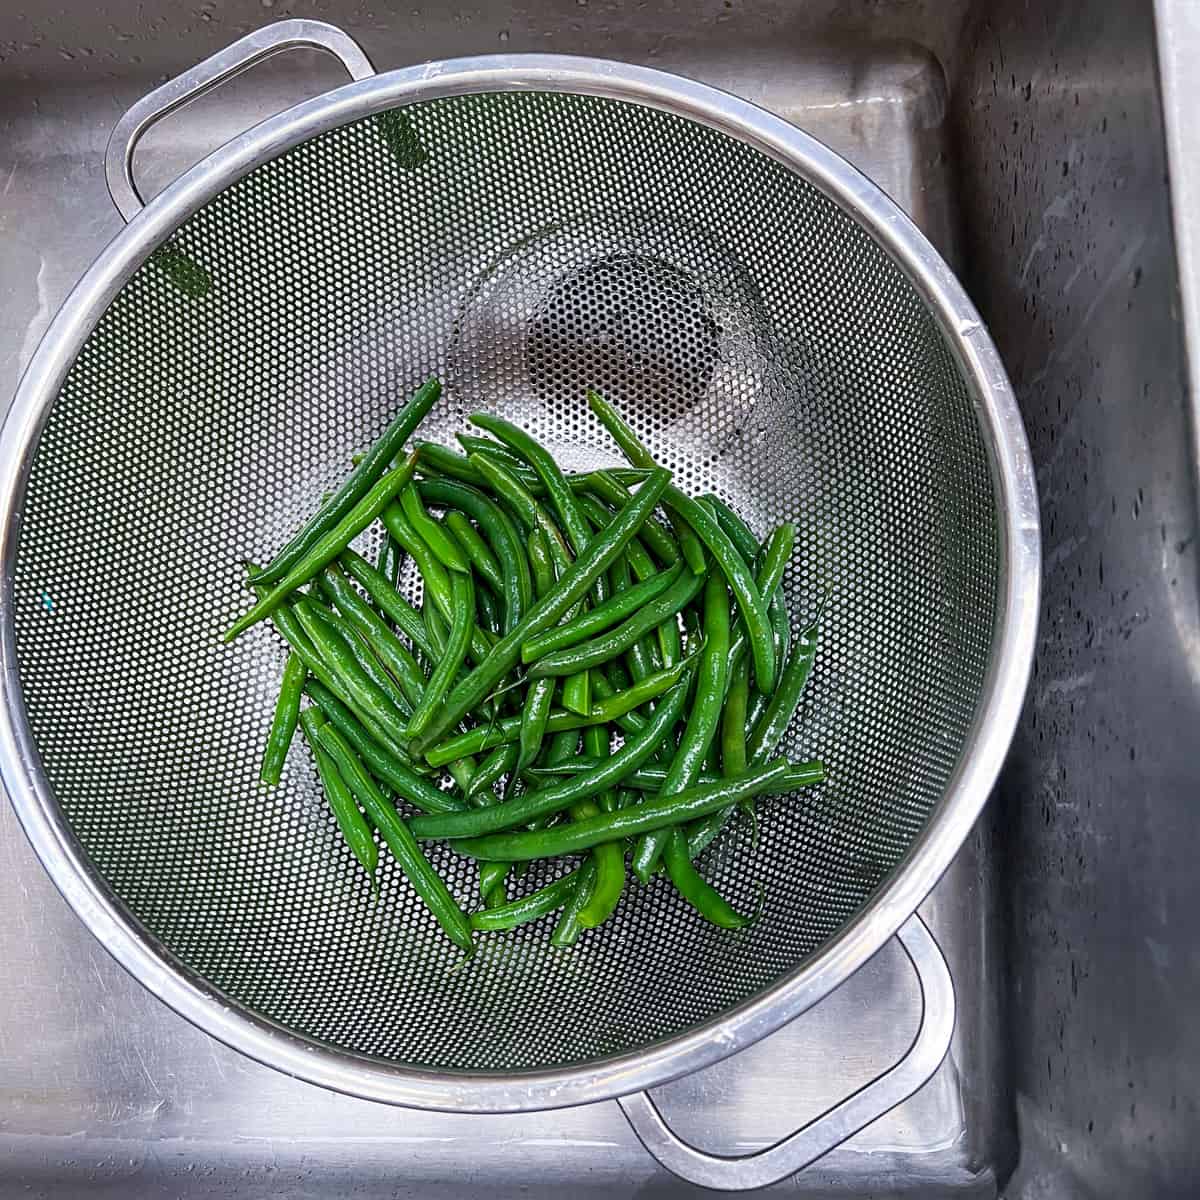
524	227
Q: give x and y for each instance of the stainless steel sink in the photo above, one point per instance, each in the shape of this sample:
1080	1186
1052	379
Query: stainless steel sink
1028	143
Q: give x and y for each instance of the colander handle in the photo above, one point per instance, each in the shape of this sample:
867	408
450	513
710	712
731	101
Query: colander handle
203	77
832	1128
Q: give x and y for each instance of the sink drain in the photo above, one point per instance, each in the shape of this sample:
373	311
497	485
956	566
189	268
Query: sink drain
658	317
624	325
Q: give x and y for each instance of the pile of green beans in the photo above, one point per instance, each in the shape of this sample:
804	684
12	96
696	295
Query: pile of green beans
600	672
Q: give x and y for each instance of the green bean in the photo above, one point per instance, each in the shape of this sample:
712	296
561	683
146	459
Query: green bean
427	883
381	760
482	560
569	589
534	719
435	578
703	719
638	657
774	559
612	708
535	577
570	923
493	878
560	796
462	771
436	628
365	694
389	562
548	471
383	592
769	725
597	741
632	448
608	858
356	486
438	462
351	822
528	908
643	568
433	457
498	452
497	895
779	713
576	694
328	546
414	624
290	629
449	552
605	690
283	724
616	674
540	564
739	533
669	649
498	531
502	761
601	617
578	482
608	645
434	575
528	511
367	623
576	691
599	515
755	709
452	659
752	607
561	749
605	486
733	722
651	777
668	637
364	657
781	628
772	562
654	812
642	565
488	612
293	634
694	888
701	834
575	767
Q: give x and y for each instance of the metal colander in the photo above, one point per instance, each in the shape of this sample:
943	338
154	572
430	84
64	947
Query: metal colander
769	338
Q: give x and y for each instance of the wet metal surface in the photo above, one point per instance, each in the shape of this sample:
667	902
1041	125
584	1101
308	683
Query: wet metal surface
1035	161
100	1085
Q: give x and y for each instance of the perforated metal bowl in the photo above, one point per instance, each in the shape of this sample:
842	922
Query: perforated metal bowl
773	326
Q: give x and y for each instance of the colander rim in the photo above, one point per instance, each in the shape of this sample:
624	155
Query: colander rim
897	898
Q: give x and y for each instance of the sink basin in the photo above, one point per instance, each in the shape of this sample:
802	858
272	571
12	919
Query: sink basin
1029	147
